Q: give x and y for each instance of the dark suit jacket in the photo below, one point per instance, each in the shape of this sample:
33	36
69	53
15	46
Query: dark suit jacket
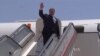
49	25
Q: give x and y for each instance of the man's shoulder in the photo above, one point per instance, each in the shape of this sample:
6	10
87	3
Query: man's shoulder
46	14
57	19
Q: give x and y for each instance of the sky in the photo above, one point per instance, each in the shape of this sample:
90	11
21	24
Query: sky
13	10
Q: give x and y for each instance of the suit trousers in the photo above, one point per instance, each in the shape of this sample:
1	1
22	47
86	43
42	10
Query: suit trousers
46	36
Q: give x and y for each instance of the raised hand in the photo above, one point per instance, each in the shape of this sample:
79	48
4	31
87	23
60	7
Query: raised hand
41	6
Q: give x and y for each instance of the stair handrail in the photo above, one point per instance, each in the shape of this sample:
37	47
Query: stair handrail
47	44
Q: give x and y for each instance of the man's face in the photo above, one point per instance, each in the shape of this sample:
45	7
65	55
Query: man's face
52	11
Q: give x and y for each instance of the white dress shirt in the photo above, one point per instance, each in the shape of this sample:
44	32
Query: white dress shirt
54	19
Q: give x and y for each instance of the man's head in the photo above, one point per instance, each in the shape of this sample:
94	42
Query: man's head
51	11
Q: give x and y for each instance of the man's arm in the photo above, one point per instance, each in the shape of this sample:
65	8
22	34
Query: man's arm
41	11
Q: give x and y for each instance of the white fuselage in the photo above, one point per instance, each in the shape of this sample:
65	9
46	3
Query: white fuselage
89	25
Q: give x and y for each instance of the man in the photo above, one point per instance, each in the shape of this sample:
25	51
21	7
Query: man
50	23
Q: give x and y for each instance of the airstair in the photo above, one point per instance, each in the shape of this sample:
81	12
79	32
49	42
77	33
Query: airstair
71	43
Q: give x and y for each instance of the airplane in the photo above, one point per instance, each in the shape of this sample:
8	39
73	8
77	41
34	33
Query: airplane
89	25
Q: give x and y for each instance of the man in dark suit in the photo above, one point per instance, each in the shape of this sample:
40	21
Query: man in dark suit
50	23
